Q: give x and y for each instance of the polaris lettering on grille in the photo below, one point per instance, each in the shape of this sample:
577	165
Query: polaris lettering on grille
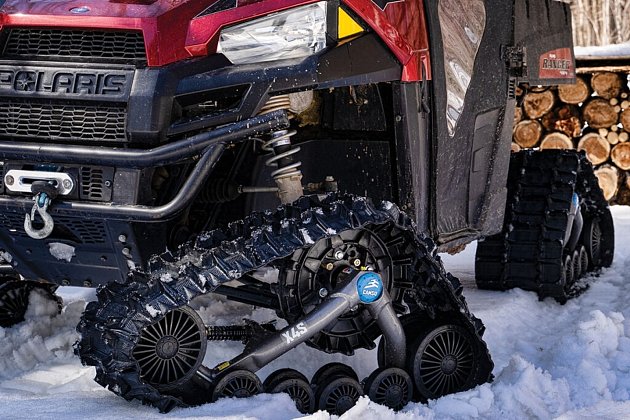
57	82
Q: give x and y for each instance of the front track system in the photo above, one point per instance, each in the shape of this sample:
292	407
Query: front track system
349	272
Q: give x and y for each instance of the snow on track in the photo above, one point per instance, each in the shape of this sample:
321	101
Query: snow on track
551	361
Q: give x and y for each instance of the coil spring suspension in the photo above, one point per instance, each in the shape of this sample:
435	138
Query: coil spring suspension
280	145
288	176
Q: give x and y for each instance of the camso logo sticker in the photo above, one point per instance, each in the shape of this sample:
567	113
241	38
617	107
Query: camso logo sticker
370	287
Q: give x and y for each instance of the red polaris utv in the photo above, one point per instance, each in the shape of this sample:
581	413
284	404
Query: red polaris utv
161	150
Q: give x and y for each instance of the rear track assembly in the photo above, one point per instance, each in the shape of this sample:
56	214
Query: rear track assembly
537	249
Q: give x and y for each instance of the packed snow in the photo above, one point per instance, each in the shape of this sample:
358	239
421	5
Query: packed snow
551	361
613	50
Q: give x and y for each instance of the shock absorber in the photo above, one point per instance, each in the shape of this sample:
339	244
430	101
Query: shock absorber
287	175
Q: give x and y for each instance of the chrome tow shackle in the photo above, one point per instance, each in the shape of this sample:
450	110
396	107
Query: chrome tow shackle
42	201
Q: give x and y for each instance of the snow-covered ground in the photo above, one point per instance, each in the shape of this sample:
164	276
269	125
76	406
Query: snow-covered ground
551	361
614	50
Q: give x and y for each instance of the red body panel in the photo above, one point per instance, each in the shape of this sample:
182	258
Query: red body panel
172	33
402	25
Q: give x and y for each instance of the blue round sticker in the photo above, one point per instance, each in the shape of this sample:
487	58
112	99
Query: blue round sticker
370	287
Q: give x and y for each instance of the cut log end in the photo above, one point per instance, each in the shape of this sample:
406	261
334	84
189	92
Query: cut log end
620	156
598	113
515	147
537	104
608	179
624	119
527	133
597	148
556	141
606	84
574	94
518	114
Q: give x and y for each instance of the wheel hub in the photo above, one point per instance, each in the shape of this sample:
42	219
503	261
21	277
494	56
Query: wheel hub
344	404
167	347
311	274
449	364
393	395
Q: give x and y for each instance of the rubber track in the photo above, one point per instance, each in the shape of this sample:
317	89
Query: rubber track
529	252
110	327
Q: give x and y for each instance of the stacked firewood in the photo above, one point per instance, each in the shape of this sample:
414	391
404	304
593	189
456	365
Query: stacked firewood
592	115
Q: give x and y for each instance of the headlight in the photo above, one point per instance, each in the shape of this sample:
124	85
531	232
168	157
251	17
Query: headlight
294	33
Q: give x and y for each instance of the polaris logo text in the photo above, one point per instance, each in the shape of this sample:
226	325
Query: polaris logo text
295	332
51	82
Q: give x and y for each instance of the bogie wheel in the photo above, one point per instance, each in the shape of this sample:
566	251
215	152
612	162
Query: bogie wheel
332	369
598	238
170	351
444	361
583	259
292	382
14	300
338	394
237	384
568	272
391	387
577	266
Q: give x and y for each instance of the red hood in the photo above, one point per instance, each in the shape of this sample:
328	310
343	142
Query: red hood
102	8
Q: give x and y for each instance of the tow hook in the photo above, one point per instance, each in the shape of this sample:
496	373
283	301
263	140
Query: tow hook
42	201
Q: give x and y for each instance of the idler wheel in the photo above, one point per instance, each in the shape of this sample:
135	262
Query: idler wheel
170	351
338	394
292	382
391	387
443	361
14	300
237	384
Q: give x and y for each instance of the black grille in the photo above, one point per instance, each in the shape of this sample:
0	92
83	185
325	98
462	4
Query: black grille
56	43
96	183
70	229
59	121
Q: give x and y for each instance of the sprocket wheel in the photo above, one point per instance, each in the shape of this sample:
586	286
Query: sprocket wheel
310	275
14	300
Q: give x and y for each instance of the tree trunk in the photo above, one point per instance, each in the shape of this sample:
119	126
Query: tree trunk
597	149
598	113
556	141
606	84
527	133
574	94
537	104
608	178
620	155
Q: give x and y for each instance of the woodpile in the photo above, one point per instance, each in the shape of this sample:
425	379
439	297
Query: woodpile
593	116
